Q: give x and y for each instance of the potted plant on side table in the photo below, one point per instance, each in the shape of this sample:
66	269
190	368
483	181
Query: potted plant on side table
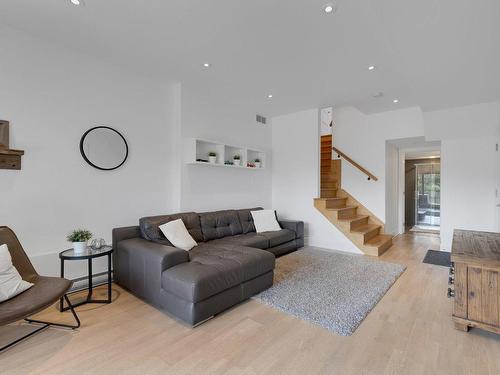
236	160
79	238
257	163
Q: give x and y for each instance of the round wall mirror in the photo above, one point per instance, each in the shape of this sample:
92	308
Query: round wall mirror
104	148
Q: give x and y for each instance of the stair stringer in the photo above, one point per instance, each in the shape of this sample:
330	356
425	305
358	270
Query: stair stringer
345	226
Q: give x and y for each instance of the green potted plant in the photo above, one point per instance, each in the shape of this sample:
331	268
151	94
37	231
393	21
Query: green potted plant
257	163
236	159
212	157
79	238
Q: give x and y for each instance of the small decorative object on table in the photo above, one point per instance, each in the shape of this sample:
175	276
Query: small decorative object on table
257	163
236	160
97	243
212	157
79	238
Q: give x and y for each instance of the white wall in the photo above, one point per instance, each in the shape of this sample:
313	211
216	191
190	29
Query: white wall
463	122
468	180
363	138
51	96
469	167
392	188
226	120
296	176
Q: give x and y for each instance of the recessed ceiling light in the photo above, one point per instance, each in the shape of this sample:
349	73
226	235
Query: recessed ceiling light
270	96
330	8
371	67
75	2
395	101
206	65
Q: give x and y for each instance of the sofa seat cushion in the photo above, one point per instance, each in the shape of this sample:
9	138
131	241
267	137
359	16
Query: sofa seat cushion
250	239
279	237
215	269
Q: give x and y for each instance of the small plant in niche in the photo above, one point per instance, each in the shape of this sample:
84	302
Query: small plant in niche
79	238
257	163
212	157
236	159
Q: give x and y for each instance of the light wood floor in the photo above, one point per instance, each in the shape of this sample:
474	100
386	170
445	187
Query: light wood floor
409	332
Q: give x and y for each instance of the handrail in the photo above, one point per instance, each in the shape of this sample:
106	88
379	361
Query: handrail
370	175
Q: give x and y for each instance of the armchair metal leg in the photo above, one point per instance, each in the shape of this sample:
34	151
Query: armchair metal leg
45	325
72	326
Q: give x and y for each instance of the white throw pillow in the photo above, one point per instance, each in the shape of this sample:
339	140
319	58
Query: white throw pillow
178	235
11	283
265	221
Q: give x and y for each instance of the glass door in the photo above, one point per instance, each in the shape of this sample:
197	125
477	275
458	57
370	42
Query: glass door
428	196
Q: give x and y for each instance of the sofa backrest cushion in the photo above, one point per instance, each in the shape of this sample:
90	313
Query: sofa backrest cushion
246	219
220	224
150	226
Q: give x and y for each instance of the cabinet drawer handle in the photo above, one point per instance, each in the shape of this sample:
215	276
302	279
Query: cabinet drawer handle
451	293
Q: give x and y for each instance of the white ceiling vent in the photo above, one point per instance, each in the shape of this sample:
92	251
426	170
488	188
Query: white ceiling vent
261	119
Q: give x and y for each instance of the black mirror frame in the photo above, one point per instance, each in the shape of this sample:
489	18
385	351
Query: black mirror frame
92	164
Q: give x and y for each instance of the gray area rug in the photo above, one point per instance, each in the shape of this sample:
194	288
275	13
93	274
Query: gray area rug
335	290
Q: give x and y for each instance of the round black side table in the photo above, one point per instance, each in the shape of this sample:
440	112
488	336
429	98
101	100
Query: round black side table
88	254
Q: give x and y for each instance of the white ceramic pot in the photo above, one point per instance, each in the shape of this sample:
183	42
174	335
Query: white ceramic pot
257	164
236	161
79	247
212	159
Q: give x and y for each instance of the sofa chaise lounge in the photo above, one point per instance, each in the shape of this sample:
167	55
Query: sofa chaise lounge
230	264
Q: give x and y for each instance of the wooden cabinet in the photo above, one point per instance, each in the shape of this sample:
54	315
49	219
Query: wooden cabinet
475	274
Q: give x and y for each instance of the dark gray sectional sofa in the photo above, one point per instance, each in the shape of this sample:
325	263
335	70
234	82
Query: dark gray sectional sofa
230	264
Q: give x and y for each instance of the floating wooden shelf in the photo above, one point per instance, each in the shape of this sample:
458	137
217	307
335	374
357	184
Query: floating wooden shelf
9	159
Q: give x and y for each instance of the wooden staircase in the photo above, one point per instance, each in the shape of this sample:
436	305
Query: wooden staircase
330	169
357	223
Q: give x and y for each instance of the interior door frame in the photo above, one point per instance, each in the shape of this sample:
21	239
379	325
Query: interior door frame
401	181
423	182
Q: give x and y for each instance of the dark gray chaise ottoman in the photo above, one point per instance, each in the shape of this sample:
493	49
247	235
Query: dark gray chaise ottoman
230	264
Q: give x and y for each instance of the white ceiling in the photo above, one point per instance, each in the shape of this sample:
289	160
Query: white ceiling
432	53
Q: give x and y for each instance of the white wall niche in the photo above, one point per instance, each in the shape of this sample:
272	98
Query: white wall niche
196	151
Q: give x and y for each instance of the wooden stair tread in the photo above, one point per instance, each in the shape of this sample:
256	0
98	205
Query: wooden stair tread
357	217
336	199
341	208
365	228
379	240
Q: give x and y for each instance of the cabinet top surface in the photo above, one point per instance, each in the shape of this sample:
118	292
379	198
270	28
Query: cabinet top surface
472	246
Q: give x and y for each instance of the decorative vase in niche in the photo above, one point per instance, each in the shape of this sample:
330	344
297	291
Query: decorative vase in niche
257	164
97	243
236	162
212	159
80	247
